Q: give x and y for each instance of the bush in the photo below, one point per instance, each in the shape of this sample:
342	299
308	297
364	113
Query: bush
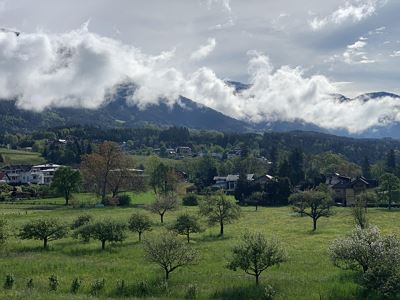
124	200
97	286
190	200
9	282
30	284
191	292
143	288
81	220
75	285
269	292
110	201
53	283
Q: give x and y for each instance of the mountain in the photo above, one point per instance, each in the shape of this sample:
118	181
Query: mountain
116	112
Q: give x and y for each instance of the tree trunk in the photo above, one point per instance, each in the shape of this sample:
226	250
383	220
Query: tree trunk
166	274
103	244
66	199
314	224
140	236
221	232
188	237
257	279
162	218
45	243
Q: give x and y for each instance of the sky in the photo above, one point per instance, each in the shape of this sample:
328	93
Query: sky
294	53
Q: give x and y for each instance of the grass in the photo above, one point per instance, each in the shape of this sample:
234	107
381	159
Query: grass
20	157
308	274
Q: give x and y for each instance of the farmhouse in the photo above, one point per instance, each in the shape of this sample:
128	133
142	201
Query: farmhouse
229	183
346	189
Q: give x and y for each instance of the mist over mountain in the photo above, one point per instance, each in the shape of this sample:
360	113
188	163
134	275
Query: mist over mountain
117	112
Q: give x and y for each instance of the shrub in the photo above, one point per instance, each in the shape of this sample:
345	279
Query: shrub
121	286
378	257
53	283
9	282
269	292
191	292
143	288
110	201
124	200
190	200
30	284
75	285
97	286
81	220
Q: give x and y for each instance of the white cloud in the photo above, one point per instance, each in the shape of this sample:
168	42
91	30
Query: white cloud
204	50
79	69
350	11
395	54
356	54
225	4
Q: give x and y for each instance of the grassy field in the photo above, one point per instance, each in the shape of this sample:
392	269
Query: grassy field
19	157
308	274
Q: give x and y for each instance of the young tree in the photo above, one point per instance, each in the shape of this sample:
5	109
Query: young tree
139	223
103	231
219	210
314	204
359	212
169	252
389	183
66	180
186	224
43	229
256	199
81	221
255	254
97	168
164	203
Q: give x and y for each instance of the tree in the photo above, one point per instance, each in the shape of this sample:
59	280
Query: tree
296	163
273	157
163	180
256	199
389	183
139	223
366	168
313	203
205	171
97	168
391	162
219	210
169	252
65	181
378	257
186	224
43	229
256	253
359	213
164	203
103	231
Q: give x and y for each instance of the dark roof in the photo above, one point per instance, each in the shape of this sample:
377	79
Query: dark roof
17	167
349	184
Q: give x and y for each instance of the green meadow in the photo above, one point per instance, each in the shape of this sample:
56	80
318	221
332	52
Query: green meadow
308	274
19	157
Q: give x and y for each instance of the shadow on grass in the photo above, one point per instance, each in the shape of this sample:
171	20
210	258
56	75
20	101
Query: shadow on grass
241	292
211	238
38	249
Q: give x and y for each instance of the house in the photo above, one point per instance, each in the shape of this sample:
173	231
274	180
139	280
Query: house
3	177
17	174
234	153
265	179
27	174
183	151
347	189
229	183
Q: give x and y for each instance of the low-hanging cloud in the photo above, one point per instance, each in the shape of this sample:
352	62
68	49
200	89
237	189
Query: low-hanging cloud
204	50
80	68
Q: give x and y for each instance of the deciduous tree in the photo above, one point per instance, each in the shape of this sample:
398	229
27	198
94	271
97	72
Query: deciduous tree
186	224
219	210
139	223
66	181
164	203
256	253
169	252
389	183
43	229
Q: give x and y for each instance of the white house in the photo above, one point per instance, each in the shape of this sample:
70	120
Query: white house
26	174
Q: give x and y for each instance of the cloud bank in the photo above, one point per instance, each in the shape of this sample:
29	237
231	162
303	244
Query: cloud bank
355	12
80	68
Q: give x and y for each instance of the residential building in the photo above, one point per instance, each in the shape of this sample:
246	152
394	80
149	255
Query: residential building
229	183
